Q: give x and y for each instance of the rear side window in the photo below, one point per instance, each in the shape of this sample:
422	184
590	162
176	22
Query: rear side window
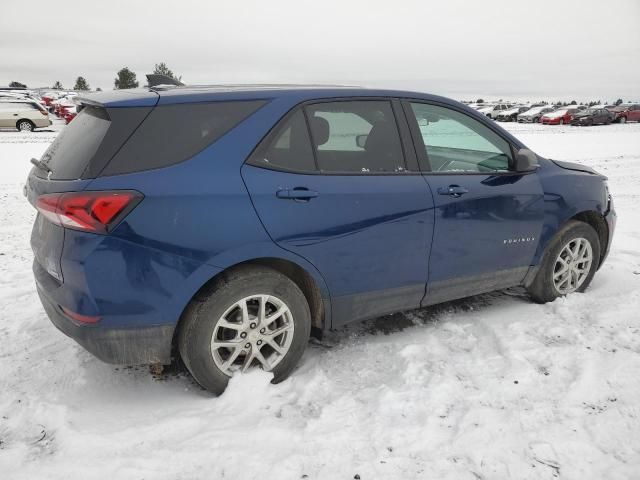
173	133
289	148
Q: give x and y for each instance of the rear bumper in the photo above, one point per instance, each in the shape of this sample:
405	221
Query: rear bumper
121	346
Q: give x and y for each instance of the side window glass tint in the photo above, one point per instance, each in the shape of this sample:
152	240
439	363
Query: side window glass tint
356	136
289	148
455	142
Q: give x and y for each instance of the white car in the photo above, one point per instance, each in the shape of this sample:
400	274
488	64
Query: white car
24	115
534	114
492	111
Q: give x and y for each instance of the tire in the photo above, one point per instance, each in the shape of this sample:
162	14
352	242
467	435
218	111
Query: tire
25	125
204	317
607	121
543	289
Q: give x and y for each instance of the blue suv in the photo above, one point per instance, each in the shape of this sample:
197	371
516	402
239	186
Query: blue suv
225	225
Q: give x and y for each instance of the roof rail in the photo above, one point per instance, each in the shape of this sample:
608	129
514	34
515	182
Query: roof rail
165	86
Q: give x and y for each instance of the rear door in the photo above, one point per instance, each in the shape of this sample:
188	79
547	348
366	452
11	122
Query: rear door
7	118
333	185
487	218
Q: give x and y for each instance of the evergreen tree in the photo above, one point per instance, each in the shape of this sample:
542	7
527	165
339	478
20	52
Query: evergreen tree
57	85
126	79
573	102
618	101
98	89
480	100
81	84
162	69
15	84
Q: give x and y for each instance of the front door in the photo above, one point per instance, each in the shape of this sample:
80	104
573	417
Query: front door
487	218
345	200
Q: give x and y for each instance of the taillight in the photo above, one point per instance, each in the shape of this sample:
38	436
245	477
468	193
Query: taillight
96	212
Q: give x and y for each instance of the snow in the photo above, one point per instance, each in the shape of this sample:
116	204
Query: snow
491	387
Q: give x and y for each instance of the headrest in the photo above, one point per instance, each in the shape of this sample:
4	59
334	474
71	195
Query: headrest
382	136
319	129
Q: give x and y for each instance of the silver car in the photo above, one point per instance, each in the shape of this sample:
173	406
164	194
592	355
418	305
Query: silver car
24	115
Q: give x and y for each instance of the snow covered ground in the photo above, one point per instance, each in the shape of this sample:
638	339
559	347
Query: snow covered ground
493	387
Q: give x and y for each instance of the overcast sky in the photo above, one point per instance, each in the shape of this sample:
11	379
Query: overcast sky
578	49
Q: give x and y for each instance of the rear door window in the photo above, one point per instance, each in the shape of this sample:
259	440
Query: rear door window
289	148
356	136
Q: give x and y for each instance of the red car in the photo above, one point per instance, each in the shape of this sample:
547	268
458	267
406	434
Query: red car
69	112
626	113
559	117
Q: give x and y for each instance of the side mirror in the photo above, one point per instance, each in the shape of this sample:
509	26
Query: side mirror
361	140
525	161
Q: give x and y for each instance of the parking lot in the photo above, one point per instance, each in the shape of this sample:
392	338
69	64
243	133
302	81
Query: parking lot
489	387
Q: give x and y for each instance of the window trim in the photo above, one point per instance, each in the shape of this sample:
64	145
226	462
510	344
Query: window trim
421	150
408	147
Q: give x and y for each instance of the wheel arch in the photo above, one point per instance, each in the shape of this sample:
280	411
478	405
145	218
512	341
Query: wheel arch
596	220
312	287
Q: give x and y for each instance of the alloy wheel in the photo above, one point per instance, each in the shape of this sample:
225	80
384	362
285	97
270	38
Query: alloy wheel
256	330
572	266
25	127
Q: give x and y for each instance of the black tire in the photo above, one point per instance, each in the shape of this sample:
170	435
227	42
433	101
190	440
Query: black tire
25	125
204	312
542	289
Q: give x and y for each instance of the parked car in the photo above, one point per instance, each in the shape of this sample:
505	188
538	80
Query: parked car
69	112
533	115
626	113
24	115
233	223
492	111
511	114
593	116
559	117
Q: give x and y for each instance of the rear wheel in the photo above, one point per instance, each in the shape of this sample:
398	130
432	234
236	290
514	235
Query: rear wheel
569	263
254	317
25	125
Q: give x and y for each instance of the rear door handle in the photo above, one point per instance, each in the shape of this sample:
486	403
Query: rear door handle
298	193
453	191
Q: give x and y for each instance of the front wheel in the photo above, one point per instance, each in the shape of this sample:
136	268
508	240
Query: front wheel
569	263
253	317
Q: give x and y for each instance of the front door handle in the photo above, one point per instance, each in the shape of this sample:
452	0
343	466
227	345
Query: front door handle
298	193
453	191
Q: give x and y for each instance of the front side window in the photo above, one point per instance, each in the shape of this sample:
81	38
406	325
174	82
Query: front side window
455	142
355	136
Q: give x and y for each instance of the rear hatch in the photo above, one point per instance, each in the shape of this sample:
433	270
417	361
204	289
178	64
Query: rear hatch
75	158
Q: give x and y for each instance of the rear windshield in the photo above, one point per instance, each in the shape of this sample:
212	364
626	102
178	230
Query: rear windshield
174	133
71	151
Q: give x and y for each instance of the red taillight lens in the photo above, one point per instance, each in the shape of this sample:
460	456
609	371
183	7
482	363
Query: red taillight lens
88	211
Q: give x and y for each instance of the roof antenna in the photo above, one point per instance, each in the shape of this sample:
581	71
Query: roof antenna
155	79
